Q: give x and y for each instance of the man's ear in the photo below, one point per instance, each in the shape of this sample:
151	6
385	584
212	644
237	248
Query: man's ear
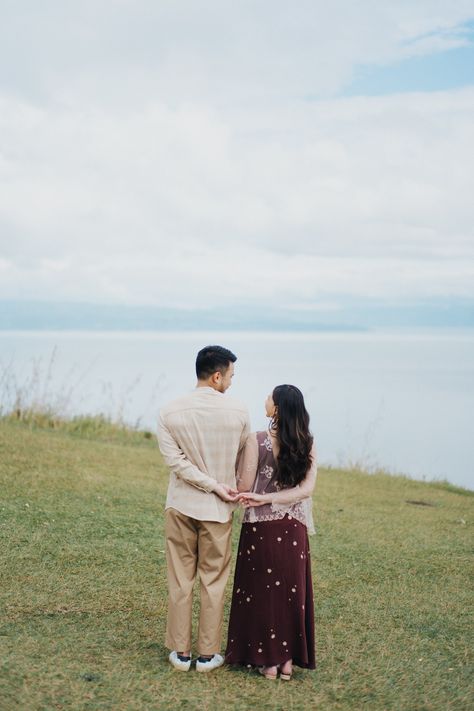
216	377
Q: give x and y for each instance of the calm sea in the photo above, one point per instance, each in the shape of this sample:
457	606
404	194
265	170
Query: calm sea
401	400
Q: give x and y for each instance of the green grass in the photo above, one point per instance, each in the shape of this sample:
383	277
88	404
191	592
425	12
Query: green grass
83	588
97	427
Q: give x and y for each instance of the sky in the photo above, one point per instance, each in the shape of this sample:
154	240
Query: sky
193	154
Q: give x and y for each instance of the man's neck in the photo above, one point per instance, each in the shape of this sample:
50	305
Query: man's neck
205	384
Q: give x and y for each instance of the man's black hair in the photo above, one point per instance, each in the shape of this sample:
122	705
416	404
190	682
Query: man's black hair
212	359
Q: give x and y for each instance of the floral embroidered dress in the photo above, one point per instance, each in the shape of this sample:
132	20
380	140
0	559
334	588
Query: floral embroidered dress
272	614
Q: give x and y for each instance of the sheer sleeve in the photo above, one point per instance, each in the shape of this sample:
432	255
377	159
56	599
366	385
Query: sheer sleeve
300	492
299	495
247	464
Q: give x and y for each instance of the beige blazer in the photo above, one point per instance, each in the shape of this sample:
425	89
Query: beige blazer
200	436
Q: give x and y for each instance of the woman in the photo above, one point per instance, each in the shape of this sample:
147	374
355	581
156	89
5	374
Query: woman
271	622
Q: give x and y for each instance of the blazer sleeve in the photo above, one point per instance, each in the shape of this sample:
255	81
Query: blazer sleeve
178	463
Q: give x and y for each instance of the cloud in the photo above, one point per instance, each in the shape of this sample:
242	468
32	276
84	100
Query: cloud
219	51
163	152
362	178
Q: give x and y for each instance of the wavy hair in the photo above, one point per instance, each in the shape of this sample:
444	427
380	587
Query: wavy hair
291	426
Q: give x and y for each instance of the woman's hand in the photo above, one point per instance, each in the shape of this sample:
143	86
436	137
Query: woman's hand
248	498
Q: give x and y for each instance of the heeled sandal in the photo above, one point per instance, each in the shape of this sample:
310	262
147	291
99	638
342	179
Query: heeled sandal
264	672
285	676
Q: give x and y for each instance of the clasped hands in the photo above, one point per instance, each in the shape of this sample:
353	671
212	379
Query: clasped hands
244	498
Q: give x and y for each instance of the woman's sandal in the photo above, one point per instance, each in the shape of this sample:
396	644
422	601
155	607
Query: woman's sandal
286	676
266	673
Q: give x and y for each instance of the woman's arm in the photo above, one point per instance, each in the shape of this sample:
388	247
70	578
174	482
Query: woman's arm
247	464
285	496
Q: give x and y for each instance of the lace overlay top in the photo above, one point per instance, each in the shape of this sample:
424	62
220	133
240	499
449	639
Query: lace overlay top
258	460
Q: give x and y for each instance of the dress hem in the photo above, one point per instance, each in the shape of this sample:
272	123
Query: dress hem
263	663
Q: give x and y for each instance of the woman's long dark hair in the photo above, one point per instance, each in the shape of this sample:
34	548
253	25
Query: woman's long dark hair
291	426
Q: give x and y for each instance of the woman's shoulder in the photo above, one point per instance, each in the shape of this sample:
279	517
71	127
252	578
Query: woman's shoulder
263	439
260	438
256	437
251	441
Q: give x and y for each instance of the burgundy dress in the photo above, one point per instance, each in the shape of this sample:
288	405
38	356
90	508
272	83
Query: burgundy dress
272	615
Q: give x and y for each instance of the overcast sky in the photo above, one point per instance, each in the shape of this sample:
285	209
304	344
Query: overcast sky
188	153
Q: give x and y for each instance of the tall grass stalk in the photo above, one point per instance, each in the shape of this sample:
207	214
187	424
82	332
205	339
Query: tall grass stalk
40	399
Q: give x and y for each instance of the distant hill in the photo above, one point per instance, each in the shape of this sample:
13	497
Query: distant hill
349	314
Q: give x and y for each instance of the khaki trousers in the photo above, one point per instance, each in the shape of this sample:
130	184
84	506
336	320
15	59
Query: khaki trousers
192	547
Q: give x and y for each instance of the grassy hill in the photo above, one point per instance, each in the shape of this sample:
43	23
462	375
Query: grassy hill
83	587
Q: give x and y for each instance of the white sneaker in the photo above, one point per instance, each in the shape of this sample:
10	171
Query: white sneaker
178	664
216	661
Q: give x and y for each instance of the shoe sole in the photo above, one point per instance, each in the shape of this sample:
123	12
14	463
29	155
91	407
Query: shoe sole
267	676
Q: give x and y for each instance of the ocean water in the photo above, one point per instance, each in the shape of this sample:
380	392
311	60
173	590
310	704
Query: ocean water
401	400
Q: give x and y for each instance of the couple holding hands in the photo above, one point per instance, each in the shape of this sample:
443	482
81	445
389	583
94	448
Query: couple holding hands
215	464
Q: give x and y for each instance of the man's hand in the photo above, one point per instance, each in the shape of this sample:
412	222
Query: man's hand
226	493
248	498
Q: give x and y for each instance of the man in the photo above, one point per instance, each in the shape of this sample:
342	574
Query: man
200	436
